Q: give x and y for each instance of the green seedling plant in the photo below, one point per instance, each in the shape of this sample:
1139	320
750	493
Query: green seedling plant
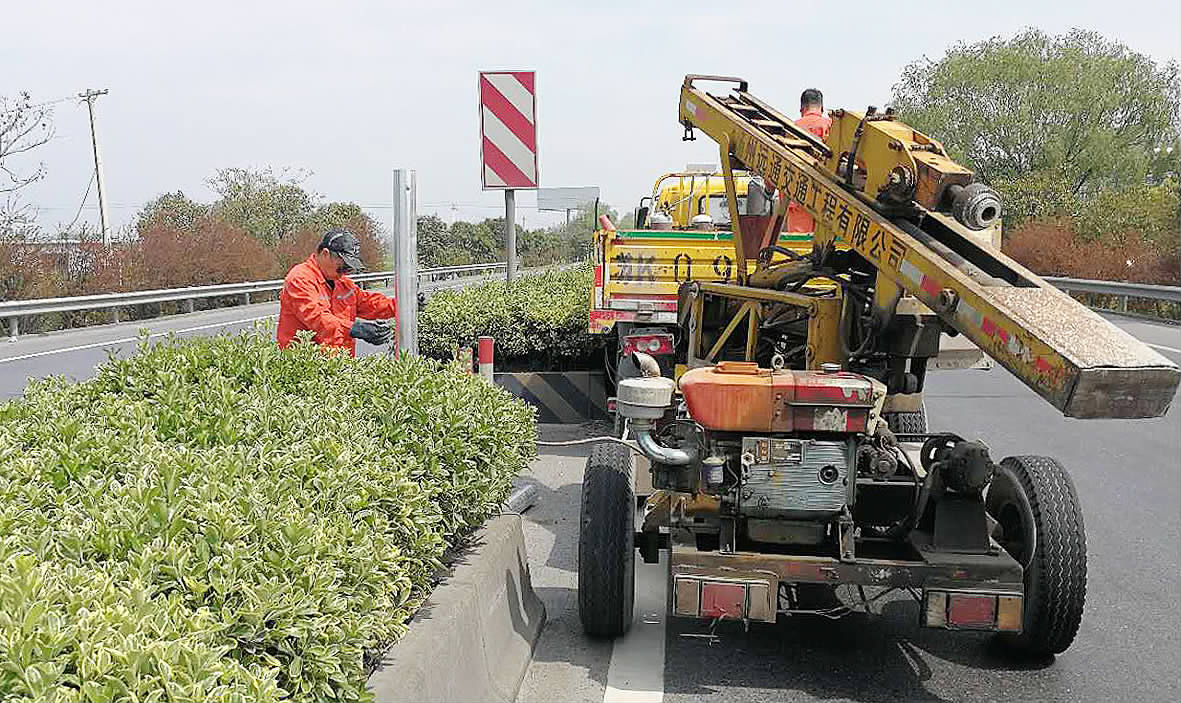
539	321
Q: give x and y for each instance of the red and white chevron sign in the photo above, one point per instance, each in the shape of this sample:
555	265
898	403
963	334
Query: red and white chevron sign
508	130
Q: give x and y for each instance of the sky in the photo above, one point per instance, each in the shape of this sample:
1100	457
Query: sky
350	90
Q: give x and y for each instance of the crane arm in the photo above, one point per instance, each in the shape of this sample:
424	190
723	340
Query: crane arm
913	231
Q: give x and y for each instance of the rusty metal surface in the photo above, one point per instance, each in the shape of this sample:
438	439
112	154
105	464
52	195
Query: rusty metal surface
934	568
1084	337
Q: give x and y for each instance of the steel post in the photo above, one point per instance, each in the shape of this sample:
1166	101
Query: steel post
406	257
485	358
190	305
510	232
13	328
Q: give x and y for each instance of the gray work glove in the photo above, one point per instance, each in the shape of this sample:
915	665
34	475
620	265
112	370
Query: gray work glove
376	332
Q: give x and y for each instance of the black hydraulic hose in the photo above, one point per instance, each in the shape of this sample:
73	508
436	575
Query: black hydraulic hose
763	254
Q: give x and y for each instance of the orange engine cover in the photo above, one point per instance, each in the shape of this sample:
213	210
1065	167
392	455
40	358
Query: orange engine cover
738	396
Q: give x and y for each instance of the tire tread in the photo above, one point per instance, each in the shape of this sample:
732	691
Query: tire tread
1060	552
606	542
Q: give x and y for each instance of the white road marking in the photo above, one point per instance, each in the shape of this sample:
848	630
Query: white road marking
636	672
125	340
1163	347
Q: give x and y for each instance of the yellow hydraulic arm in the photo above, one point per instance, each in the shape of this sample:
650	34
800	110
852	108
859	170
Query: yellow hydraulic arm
892	194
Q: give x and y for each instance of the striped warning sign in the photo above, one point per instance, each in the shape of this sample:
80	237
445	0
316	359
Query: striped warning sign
508	130
570	397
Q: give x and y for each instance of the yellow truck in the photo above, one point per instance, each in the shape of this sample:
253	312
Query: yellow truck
682	233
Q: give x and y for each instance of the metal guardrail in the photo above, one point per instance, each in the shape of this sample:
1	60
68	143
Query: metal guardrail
12	310
1121	291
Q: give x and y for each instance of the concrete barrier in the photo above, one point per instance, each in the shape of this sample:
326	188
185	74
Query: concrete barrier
560	396
473	639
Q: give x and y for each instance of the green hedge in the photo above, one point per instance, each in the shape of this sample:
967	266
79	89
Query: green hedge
216	520
539	322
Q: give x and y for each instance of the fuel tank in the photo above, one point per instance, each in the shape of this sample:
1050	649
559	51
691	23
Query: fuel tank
738	396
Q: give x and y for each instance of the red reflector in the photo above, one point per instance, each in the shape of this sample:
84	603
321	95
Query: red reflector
971	611
723	600
648	343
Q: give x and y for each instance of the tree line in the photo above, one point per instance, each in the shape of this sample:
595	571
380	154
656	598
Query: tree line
1078	133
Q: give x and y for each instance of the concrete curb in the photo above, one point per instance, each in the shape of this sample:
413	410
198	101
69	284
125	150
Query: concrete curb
473	639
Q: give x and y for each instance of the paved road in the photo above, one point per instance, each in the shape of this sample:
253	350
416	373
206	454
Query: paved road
1129	648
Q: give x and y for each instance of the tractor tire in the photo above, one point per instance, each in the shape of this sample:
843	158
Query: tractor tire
907	423
606	542
1040	524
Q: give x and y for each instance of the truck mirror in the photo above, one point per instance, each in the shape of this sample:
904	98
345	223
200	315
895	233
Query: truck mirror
757	202
641	217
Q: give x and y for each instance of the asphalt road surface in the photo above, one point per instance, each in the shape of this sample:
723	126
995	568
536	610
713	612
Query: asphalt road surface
1128	476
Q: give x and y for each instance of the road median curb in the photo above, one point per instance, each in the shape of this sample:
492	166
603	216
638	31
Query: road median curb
473	639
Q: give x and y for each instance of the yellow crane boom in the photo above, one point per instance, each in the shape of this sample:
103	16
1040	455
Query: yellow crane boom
893	195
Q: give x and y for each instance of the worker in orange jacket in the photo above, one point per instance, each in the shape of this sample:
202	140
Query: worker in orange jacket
813	119
317	295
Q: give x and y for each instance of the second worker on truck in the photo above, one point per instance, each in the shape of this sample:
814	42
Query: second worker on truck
813	119
317	295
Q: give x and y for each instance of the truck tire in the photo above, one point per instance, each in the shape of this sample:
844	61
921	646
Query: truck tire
1040	524
606	542
907	423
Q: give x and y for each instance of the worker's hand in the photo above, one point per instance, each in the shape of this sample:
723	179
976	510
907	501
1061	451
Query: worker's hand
376	332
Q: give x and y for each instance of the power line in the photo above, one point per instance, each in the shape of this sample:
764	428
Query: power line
84	197
47	103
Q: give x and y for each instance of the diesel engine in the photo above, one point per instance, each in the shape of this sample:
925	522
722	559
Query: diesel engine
772	456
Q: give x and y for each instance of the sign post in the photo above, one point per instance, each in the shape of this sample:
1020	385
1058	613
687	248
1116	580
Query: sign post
406	258
508	144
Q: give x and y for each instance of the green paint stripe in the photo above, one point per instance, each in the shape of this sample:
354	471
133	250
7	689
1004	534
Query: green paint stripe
706	236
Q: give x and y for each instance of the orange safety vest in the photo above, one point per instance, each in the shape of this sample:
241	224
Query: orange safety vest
307	303
818	123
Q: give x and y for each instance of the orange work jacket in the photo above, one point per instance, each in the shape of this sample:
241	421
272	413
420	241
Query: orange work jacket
818	123
307	303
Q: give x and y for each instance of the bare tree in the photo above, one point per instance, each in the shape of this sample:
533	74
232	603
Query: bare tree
23	127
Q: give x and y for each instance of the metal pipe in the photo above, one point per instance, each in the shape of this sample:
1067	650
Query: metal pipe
521	499
510	238
406	258
657	452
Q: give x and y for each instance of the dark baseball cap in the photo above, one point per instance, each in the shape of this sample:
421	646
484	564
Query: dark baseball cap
346	245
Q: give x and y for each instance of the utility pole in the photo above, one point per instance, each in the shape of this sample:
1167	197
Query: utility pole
104	222
510	227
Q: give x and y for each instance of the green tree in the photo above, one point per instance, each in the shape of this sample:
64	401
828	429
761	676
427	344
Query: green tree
1153	211
435	247
267	205
1077	111
173	210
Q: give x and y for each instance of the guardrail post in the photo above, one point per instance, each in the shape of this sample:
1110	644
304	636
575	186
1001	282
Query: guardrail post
115	314
1123	303
246	298
13	328
191	305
